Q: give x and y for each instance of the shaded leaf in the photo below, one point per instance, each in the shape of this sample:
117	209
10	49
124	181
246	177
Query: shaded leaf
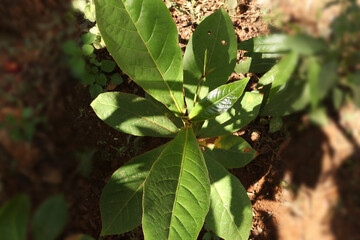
211	51
176	192
281	43
218	101
242	113
116	79
95	90
50	218
275	124
121	199
14	216
230	214
231	151
293	96
255	64
133	115
107	66
143	39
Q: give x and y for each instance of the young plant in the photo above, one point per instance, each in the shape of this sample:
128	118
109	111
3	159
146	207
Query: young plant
174	188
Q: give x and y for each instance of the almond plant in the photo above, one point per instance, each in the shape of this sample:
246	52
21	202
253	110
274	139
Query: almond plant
174	188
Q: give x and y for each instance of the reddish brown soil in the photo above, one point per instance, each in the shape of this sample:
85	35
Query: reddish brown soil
303	185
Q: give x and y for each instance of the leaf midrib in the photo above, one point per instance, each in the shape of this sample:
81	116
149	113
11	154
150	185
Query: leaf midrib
157	67
180	175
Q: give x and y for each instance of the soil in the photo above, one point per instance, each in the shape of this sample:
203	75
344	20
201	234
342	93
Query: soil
304	184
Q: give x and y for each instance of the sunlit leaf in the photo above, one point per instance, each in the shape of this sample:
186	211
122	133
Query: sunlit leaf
242	113
176	192
142	38
133	115
218	101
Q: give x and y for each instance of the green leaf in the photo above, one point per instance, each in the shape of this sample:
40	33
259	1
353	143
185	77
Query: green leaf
101	79
87	79
242	113
133	115
176	192
143	39
230	214
293	96
255	64
211	51
50	218
231	151
121	199
116	79
313	78
177	121
218	101
88	38
107	66
328	77
14	216
281	43
275	124
95	90
87	49
279	74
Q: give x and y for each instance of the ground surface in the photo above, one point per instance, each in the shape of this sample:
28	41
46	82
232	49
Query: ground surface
303	185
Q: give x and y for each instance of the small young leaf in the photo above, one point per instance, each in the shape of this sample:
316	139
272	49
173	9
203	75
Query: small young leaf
107	66
176	192
116	79
218	101
95	90
87	79
231	151
87	49
121	199
242	113
14	216
133	115
101	79
50	219
275	124
230	214
88	38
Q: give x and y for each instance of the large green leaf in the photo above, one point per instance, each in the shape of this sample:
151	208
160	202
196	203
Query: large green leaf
242	113
313	78
230	214
121	199
218	101
133	115
176	192
211	52
50	219
231	151
281	43
143	39
14	216
280	73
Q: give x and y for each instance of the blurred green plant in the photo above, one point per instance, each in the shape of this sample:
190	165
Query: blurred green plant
22	128
85	66
313	71
47	223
